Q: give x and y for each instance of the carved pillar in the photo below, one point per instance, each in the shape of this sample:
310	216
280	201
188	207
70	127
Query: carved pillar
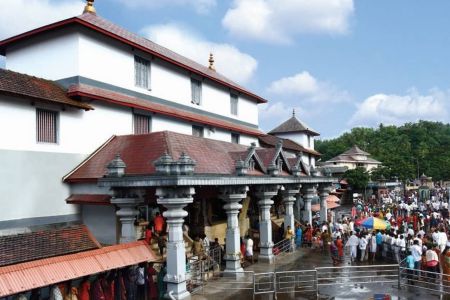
175	199
308	192
232	195
265	193
289	198
324	191
127	215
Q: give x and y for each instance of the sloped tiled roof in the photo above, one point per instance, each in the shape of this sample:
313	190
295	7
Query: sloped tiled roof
25	86
45	243
288	144
131	101
293	125
103	26
140	151
355	150
44	272
89	199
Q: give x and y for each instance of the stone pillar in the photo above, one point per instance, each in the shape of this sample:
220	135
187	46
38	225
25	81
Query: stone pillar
308	191
232	195
127	215
289	198
175	199
265	193
324	191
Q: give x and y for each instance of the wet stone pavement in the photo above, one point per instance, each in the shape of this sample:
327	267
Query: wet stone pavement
308	259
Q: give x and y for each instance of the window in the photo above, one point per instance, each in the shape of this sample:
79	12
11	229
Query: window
197	131
234	104
142	124
196	88
141	72
46	126
309	141
235	138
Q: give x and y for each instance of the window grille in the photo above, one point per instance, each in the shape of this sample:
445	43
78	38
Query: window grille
142	124
234	104
196	88
197	131
141	72
46	126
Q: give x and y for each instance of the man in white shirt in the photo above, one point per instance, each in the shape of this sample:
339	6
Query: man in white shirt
363	246
442	239
416	252
353	242
249	248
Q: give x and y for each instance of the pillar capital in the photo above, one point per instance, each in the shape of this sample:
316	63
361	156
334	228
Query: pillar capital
127	213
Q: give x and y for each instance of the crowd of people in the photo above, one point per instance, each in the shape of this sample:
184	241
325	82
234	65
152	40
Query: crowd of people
413	233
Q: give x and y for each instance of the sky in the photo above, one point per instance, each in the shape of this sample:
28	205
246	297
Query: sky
339	63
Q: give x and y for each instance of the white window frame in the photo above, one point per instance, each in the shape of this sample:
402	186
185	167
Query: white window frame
140	62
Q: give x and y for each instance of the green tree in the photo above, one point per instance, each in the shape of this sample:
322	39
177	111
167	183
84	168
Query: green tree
357	178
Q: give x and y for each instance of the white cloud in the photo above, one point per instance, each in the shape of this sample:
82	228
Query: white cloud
18	16
229	60
398	109
200	6
278	21
304	86
273	114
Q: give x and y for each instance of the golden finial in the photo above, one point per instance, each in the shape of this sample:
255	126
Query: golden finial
211	62
89	8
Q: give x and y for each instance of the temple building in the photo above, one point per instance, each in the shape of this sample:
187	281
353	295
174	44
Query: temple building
350	159
103	127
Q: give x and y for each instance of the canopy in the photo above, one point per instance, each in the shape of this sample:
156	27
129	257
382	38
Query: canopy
374	223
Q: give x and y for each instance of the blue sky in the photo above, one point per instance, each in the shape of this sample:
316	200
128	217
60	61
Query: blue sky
339	63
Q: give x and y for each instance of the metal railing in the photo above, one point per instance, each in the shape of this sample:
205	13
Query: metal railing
304	281
425	280
202	268
264	283
282	247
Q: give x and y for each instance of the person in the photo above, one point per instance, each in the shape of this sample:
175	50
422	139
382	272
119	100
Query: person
416	252
334	253
352	243
148	234
159	223
442	239
206	243
72	294
363	246
298	236
140	281
410	265
446	266
97	289
289	235
432	262
55	293
160	239
249	249
340	247
326	240
152	287
372	247
162	285
85	289
197	247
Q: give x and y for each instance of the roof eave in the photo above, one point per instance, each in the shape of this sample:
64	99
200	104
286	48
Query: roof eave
75	20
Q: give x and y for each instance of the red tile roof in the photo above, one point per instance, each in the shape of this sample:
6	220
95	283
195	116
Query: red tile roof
332	202
294	125
25	86
89	199
139	151
45	243
40	273
84	90
288	144
116	32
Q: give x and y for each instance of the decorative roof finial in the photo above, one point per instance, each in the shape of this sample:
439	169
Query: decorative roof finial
211	62
89	8
293	112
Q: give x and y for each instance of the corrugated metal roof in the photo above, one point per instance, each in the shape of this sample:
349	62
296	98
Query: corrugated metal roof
39	273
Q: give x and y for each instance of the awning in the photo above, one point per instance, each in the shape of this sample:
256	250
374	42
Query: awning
89	199
39	273
331	203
